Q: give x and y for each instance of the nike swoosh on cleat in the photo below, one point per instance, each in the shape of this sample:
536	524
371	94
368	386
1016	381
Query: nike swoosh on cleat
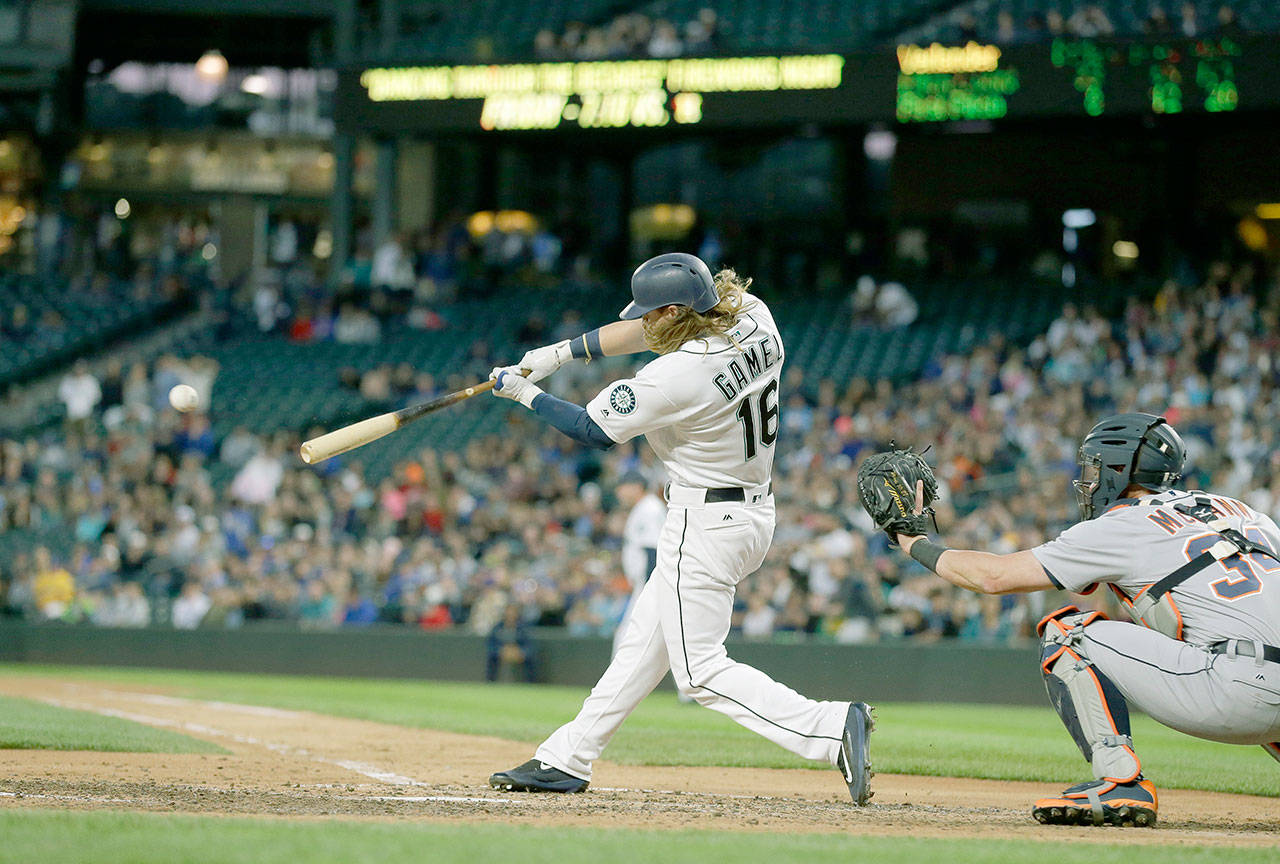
545	767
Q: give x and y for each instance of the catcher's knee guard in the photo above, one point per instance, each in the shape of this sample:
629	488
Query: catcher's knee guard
1090	706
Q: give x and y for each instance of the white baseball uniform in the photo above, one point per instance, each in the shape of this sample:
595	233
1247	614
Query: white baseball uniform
640	538
710	412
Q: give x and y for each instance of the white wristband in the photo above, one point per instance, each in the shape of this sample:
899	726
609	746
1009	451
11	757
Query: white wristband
528	393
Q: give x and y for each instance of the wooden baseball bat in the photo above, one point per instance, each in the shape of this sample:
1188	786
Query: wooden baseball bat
361	433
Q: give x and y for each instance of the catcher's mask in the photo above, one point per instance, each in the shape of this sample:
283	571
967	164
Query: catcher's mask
1125	449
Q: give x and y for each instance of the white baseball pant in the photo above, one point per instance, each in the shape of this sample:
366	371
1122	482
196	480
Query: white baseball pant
680	622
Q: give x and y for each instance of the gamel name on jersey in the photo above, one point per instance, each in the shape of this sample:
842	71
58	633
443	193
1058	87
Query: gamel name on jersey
757	357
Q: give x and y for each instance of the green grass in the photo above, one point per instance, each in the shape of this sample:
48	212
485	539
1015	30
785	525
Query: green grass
51	837
996	742
27	725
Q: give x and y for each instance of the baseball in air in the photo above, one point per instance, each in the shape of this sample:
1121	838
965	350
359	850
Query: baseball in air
184	398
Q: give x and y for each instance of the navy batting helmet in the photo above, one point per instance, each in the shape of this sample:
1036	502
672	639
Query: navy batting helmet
673	279
1124	449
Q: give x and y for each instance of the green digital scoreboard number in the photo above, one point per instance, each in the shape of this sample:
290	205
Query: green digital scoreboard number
1203	71
1173	76
1086	63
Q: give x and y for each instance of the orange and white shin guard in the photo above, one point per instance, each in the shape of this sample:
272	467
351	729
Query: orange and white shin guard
1088	702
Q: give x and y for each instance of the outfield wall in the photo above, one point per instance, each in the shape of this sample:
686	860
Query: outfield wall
946	672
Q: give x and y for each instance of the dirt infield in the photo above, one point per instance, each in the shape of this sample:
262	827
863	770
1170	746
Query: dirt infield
297	764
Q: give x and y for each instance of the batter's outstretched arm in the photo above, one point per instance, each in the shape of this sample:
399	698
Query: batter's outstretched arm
573	420
985	572
611	340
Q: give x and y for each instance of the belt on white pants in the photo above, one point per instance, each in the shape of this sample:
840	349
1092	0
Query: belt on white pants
1246	648
697	496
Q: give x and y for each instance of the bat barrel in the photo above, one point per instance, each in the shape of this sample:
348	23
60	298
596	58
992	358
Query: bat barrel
359	434
348	438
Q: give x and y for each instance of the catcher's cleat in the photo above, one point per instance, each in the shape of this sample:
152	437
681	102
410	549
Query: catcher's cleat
535	776
1101	802
854	760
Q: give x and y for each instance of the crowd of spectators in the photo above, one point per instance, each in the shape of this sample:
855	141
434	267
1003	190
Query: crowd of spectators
31	320
1090	20
410	276
167	520
19	325
632	35
637	35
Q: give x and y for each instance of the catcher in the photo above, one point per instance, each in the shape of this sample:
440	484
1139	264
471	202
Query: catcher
1190	568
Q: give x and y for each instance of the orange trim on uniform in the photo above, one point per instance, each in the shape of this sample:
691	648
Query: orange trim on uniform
1125	601
1101	694
1134	775
1102	697
1057	613
1049	661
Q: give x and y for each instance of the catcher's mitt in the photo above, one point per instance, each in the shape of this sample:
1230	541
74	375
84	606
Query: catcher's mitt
887	488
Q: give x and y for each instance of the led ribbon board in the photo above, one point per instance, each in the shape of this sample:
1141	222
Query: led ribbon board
593	95
914	84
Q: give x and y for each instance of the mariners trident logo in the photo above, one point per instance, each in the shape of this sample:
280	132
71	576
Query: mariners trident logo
623	399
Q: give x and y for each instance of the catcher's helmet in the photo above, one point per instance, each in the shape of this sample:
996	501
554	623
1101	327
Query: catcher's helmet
1124	449
673	279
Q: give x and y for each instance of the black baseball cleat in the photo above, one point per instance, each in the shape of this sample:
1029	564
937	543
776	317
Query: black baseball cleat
854	760
1101	802
535	776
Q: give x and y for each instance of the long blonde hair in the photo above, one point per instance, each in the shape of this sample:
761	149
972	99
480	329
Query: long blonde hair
670	332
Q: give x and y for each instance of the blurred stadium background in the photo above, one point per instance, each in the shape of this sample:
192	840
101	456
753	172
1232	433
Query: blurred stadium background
984	221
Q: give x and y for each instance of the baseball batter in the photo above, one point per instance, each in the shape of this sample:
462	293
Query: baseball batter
1196	572
708	406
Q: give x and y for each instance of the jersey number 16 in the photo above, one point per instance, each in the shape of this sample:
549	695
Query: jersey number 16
768	425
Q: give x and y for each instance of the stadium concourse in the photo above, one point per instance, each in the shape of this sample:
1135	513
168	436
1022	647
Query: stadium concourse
135	515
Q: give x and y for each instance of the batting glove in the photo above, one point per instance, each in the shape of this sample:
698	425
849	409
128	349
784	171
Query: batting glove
508	383
541	362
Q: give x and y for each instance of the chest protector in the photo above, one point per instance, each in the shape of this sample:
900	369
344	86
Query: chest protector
1153	607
